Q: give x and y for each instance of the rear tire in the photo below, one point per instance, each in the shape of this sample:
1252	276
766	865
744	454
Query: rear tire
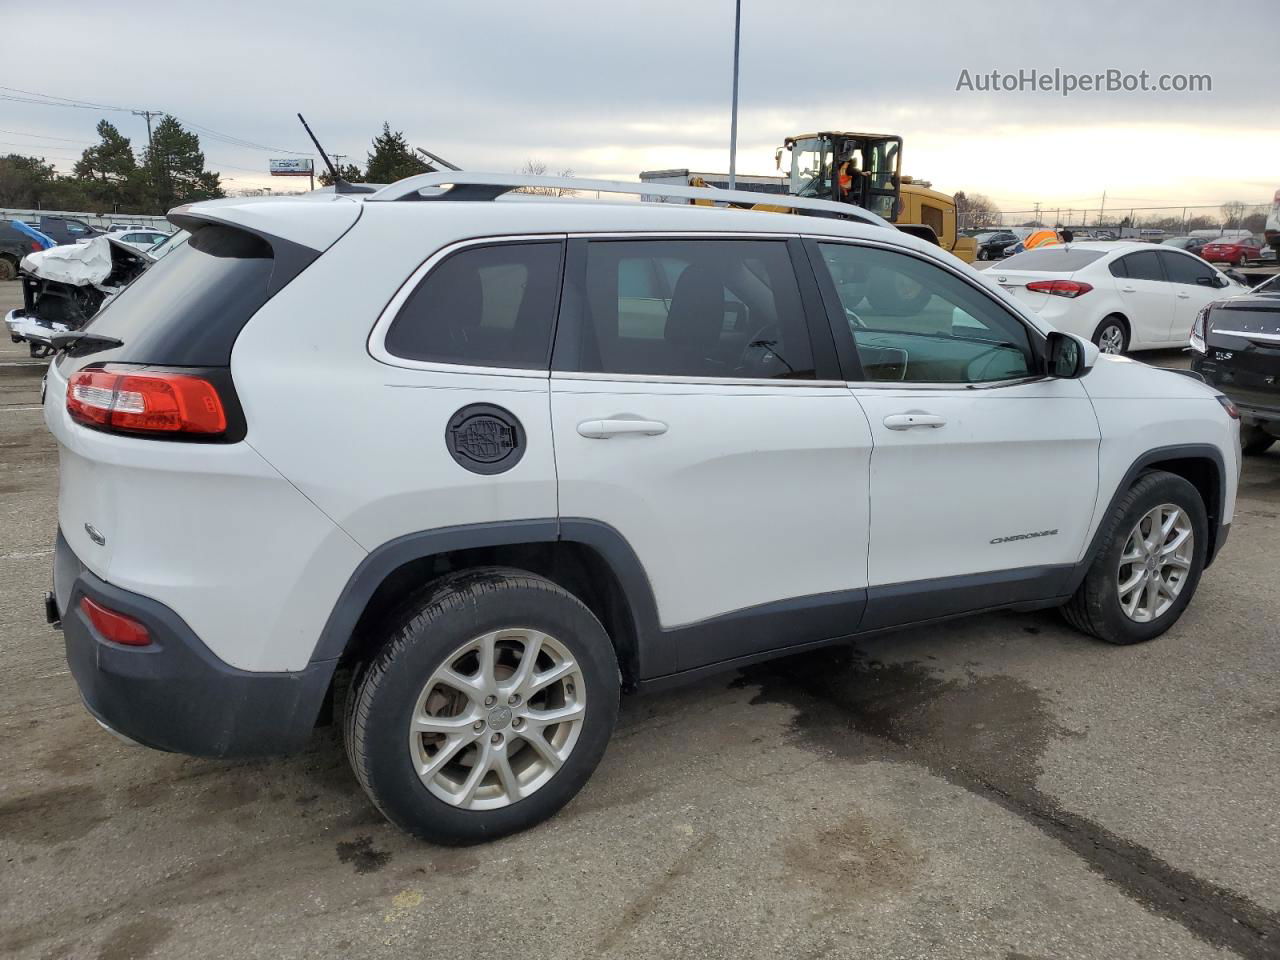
1098	606
8	269
1254	441
422	675
1112	336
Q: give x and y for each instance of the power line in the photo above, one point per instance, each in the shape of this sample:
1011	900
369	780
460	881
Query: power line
43	136
71	100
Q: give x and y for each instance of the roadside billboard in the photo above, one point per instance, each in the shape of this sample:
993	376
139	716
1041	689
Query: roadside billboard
291	168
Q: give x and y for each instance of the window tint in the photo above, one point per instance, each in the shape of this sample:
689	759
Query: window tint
1052	260
915	322
484	306
693	308
1187	269
1143	266
1118	268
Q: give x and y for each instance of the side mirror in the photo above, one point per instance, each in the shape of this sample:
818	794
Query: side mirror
1070	357
1235	275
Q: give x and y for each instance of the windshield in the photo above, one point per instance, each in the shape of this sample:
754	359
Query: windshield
811	168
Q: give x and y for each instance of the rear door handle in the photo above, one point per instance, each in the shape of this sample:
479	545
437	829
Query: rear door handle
1128	290
604	429
905	421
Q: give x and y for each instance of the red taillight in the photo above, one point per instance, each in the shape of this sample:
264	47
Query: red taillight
113	626
36	247
1228	406
1060	288
146	402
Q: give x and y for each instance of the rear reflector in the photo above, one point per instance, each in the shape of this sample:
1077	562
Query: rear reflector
113	626
1060	288
165	403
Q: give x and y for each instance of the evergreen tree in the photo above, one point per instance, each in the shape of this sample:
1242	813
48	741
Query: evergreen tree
347	171
108	171
174	167
391	159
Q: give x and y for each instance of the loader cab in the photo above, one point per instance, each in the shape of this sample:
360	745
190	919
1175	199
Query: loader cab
859	168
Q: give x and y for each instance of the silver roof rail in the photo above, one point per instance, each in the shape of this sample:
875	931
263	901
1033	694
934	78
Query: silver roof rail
465	185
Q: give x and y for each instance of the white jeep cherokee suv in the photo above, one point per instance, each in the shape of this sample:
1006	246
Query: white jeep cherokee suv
498	456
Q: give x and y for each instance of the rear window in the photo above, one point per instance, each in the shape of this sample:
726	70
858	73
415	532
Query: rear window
189	307
1052	260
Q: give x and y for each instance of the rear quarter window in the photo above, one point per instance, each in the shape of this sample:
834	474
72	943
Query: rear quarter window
488	306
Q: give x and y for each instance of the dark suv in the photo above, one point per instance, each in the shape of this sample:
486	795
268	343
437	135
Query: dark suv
66	229
1235	346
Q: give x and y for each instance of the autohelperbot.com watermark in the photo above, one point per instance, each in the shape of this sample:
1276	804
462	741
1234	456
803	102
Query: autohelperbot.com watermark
1067	82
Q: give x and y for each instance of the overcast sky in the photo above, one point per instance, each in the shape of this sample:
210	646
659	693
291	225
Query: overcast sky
613	89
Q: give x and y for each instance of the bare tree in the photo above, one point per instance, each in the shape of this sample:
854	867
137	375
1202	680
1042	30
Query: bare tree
976	212
537	168
1232	214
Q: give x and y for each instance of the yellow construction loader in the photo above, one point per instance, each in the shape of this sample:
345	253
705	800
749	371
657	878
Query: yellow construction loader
863	169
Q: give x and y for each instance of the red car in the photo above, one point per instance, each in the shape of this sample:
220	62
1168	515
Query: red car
1235	251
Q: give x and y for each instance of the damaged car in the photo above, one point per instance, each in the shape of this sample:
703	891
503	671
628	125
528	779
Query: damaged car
63	287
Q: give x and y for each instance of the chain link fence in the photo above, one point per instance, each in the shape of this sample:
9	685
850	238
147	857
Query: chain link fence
1138	221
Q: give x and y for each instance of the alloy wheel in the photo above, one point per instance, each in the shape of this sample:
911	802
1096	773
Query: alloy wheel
1111	340
1155	563
497	719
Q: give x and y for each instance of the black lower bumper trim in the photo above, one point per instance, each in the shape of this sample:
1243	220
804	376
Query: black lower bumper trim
175	694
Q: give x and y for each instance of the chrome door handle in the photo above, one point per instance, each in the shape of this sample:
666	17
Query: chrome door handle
905	421
604	429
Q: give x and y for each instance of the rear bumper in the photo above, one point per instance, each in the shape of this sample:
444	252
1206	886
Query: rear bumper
23	326
174	694
1253	407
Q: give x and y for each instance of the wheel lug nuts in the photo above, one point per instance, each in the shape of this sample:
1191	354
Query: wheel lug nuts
478	726
518	722
513	699
496	739
490	701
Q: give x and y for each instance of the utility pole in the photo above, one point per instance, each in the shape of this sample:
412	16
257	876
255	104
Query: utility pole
733	122
150	149
1102	207
1037	213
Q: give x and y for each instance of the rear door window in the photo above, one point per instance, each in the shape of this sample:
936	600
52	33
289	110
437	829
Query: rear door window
489	306
691	308
1144	266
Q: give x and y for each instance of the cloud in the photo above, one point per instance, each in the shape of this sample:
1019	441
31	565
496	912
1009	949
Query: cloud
610	89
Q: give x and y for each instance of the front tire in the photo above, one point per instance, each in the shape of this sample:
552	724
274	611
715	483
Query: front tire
1149	564
486	709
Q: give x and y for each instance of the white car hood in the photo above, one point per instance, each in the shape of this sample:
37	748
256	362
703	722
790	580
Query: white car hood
78	264
1121	378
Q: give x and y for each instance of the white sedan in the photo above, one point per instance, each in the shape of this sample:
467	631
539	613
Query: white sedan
142	238
1122	296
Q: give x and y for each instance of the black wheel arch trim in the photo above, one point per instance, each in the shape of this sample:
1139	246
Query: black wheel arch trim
1180	451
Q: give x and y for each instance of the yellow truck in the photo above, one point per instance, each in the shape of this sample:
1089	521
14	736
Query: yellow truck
863	169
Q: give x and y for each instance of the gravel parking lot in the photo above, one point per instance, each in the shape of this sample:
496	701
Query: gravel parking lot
993	787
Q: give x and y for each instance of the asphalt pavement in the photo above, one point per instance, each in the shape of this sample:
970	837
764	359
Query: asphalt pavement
994	787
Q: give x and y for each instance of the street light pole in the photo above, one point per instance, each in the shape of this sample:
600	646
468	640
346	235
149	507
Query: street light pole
733	123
